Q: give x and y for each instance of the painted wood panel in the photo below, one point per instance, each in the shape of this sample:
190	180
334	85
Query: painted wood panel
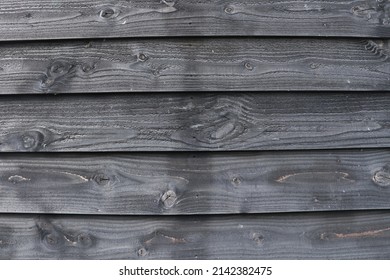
346	235
193	122
194	64
46	19
203	183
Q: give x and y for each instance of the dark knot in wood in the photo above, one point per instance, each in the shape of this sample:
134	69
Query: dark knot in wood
101	179
107	13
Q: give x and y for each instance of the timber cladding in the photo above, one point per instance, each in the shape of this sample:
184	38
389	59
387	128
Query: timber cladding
178	129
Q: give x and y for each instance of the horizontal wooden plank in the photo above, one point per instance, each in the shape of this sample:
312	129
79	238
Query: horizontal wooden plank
183	183
284	236
194	122
207	64
47	19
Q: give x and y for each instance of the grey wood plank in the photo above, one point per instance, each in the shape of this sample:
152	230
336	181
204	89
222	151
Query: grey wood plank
194	122
194	64
342	235
47	19
205	183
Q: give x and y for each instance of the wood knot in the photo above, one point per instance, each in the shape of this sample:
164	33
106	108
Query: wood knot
32	140
169	199
374	11
58	73
52	241
236	181
223	131
377	47
86	68
258	238
101	179
142	252
142	57
325	236
107	13
229	10
84	240
57	68
28	141
248	66
382	178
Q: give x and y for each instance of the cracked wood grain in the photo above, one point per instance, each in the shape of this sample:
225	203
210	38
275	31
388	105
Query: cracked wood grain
193	122
46	19
338	235
194	64
187	183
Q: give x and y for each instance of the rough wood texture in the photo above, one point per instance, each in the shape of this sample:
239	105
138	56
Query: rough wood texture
194	64
194	122
284	236
47	19
195	184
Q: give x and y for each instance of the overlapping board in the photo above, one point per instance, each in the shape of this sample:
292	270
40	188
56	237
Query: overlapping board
194	183
194	122
178	129
46	19
194	64
345	235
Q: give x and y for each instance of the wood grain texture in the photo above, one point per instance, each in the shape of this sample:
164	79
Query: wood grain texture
47	19
194	64
206	183
284	236
194	122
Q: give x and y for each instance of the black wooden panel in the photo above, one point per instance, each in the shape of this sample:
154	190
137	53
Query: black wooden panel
206	183
203	64
47	19
194	122
284	236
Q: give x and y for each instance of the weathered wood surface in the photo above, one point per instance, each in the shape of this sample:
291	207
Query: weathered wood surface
206	183
343	235
194	122
194	64
47	19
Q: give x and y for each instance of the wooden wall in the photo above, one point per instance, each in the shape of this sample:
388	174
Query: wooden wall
179	129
